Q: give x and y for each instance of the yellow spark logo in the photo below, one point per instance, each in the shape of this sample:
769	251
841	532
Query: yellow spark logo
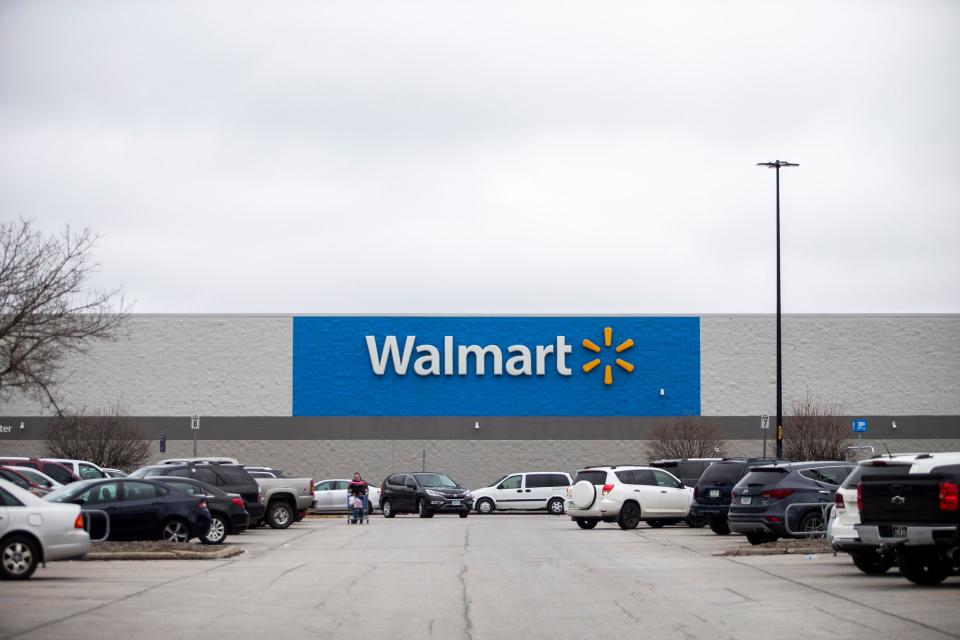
608	369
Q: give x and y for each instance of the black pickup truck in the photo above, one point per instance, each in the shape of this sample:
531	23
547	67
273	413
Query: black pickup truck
918	516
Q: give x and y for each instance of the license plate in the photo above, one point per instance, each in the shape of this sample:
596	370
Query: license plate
746	499
713	493
899	532
455	503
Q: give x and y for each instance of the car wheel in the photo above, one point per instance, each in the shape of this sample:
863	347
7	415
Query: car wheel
656	524
720	526
485	506
280	515
759	537
19	558
555	506
218	530
923	566
387	508
585	523
464	514
813	523
874	564
175	530
369	508
629	516
696	522
422	509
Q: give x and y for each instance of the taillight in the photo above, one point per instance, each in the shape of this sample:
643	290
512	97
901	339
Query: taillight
202	504
607	488
860	497
777	494
237	501
838	501
78	523
949	496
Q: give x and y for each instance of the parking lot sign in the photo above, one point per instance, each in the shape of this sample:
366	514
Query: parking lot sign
764	422
860	425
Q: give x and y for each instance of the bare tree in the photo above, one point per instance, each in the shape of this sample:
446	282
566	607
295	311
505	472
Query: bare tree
106	437
46	307
815	431
685	437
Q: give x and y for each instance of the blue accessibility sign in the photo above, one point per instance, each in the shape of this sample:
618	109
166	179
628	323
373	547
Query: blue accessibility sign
860	425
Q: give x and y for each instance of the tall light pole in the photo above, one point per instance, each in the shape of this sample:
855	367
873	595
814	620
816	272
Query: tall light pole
776	164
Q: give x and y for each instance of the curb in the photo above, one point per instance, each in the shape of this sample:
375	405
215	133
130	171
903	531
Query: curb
746	551
219	554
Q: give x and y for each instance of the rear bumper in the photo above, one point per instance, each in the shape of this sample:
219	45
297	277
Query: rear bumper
256	510
755	524
710	510
65	547
239	523
911	535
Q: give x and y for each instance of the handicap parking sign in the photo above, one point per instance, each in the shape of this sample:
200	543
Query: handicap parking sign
860	425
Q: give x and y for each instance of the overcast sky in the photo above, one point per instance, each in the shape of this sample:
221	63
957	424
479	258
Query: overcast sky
494	157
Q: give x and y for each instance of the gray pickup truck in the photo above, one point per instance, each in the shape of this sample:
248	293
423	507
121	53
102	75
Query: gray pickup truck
286	499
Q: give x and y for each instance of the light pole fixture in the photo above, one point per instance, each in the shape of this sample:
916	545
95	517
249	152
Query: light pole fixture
776	164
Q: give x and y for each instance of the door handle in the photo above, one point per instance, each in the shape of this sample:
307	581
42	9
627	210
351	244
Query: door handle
519	490
527	490
663	491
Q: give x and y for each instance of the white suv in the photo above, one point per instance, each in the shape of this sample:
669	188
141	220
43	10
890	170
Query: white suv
627	495
845	516
530	490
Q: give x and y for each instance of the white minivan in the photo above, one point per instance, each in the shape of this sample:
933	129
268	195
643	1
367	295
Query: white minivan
531	490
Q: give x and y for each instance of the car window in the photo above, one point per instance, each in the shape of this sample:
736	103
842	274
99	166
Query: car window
140	491
538	480
341	485
724	472
55	471
99	494
626	476
869	470
664	479
559	480
89	472
513	482
10	476
592	476
233	475
324	486
189	487
7	499
182	472
827	475
204	474
35	476
32	465
408	479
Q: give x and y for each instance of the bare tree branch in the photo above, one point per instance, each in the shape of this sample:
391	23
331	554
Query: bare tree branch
46	309
815	431
104	436
685	437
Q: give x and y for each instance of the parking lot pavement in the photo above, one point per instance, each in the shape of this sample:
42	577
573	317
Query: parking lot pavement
484	577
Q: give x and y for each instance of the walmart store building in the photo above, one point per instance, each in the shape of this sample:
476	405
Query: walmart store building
484	395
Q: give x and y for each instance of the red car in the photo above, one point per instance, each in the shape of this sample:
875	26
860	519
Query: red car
22	481
55	470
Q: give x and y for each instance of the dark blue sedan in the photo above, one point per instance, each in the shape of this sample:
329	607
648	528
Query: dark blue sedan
138	509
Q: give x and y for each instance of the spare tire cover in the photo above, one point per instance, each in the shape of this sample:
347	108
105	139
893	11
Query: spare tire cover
584	494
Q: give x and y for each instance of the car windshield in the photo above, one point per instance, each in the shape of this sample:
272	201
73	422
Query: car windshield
593	477
67	492
497	481
36	476
434	480
723	472
763	478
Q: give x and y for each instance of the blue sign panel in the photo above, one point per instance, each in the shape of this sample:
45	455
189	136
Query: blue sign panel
496	366
860	425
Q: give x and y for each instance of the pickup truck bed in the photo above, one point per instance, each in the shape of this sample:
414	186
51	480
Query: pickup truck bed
918	516
286	499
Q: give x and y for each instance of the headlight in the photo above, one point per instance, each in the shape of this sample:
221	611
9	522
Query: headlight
467	494
431	492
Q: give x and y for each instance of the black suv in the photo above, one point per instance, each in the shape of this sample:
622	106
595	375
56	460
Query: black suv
423	493
712	495
689	471
231	478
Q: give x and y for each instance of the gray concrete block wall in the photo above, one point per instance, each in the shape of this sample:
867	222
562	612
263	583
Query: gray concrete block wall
167	365
870	364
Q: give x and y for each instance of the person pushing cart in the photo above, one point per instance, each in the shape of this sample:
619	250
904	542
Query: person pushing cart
357	492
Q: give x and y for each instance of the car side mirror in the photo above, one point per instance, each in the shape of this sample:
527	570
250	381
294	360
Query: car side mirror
412	486
79	502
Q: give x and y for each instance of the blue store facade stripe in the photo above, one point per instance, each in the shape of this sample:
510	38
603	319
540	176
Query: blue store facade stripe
336	362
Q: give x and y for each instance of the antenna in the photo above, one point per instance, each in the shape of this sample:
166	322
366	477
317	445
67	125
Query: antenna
889	455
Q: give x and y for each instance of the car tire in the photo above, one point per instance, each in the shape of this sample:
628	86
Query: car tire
873	564
760	537
219	528
655	524
19	558
556	507
629	517
280	514
696	522
720	526
369	508
175	530
485	506
464	514
387	508
813	522
422	509
586	523
923	565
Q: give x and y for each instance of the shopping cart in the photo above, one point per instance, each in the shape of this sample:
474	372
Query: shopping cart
357	510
